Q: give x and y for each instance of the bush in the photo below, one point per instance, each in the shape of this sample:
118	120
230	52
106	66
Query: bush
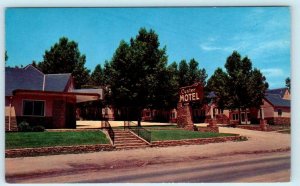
38	128
24	127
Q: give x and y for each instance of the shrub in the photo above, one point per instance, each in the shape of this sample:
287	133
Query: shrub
38	128
24	127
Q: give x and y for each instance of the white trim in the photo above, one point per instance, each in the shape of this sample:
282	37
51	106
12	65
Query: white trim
33	100
25	68
9	118
44	82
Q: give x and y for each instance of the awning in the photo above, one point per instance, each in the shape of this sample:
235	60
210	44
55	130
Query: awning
80	96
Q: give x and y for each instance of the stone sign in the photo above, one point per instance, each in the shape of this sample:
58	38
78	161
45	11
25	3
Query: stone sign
191	93
186	95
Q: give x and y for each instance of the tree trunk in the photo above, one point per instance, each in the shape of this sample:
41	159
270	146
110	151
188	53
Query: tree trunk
240	119
139	113
246	117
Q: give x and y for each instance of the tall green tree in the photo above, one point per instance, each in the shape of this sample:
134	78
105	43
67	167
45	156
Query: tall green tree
97	76
137	72
65	57
241	86
288	83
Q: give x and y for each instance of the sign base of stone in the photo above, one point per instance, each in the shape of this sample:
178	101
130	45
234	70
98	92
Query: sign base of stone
263	124
184	118
212	123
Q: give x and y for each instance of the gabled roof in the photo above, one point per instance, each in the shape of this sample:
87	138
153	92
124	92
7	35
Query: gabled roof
56	82
277	101
278	91
30	78
22	78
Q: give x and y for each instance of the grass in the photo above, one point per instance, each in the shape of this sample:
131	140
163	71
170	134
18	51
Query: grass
286	131
47	139
160	135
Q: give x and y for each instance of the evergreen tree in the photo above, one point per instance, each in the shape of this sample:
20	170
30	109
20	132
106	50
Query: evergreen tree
97	77
288	83
6	56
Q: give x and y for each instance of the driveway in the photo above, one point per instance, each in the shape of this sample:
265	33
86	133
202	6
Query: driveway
258	142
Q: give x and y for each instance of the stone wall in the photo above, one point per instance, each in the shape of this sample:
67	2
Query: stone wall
208	129
12	153
197	141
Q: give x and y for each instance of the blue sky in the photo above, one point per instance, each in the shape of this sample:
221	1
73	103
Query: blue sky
207	34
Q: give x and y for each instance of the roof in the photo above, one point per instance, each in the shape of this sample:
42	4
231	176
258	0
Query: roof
56	82
30	78
80	97
22	78
277	101
211	95
278	91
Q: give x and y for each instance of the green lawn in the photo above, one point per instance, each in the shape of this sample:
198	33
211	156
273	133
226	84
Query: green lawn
160	135
46	139
286	131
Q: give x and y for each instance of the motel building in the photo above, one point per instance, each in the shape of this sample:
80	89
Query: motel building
43	99
50	100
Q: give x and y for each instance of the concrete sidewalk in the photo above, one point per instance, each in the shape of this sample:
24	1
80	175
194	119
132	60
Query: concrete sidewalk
258	142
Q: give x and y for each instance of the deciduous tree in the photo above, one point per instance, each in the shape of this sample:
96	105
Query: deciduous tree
137	72
65	57
241	86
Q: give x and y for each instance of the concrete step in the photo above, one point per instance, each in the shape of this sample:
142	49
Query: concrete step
131	147
126	140
129	143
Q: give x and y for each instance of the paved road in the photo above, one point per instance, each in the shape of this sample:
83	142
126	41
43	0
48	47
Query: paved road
262	167
170	161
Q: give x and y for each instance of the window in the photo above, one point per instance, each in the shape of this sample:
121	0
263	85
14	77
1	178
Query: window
279	112
33	108
235	117
147	114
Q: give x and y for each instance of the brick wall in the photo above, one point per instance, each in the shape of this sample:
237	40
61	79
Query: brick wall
282	121
33	121
59	113
279	121
13	124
